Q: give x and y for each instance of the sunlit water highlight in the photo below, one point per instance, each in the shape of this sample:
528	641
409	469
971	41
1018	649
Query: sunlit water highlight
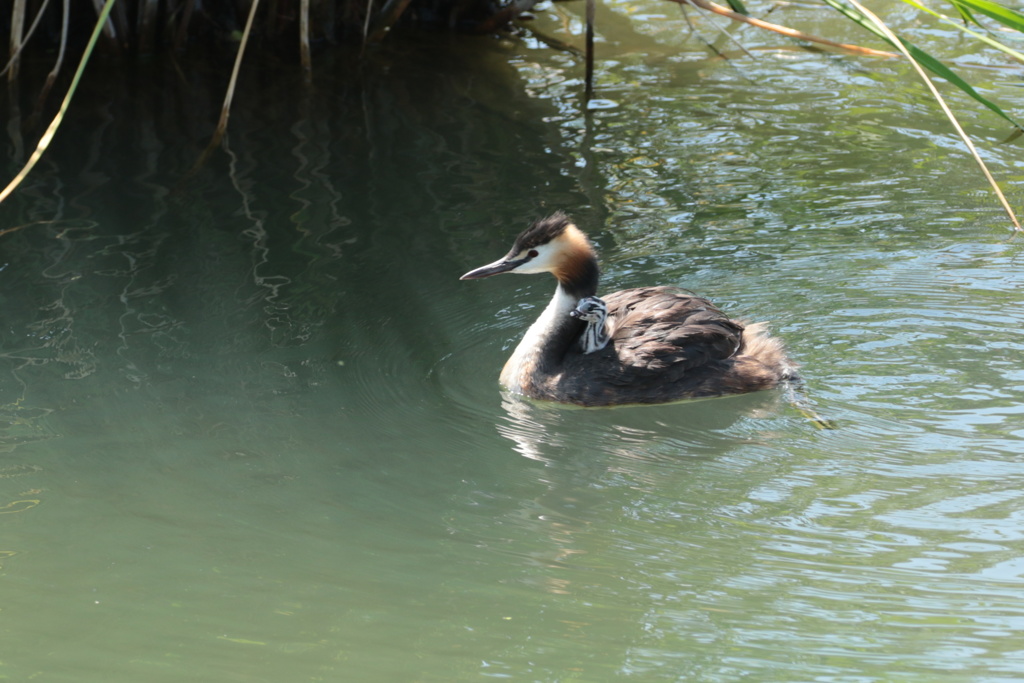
251	429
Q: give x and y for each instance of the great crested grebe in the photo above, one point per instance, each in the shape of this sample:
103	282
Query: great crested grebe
644	345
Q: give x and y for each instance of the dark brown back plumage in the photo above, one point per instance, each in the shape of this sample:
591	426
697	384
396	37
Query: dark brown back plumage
667	345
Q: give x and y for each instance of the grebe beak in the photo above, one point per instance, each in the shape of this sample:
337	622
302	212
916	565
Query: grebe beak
502	265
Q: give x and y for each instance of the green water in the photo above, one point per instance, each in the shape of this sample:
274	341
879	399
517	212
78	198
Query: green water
250	421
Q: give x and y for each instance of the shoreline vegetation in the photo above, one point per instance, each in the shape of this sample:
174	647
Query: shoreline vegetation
132	28
68	32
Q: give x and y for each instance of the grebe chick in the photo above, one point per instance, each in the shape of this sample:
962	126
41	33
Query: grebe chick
663	343
594	312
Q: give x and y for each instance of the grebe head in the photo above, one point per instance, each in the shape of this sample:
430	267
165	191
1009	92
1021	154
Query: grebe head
590	309
594	312
551	245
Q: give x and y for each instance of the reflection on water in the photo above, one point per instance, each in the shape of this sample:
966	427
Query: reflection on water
250	428
637	433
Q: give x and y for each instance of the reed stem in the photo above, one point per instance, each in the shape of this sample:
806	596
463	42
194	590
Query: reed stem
51	130
785	30
588	91
945	108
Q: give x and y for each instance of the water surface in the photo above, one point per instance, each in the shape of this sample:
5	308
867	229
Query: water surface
251	428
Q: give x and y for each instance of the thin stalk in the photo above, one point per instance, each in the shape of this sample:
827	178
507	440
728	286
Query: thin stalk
225	110
304	56
922	58
686	15
16	54
51	130
119	23
784	30
942	103
728	36
693	31
108	26
974	34
51	77
366	20
17	26
588	91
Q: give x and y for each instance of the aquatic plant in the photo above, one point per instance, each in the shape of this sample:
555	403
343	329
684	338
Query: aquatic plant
852	9
134	27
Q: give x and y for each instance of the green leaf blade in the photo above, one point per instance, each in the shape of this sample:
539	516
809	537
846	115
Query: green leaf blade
1004	15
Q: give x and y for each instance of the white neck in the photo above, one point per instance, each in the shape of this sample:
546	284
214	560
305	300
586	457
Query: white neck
528	353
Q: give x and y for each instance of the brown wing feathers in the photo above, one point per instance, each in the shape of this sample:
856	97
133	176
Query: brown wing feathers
654	328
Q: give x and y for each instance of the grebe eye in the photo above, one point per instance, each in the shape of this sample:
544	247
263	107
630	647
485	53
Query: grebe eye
533	253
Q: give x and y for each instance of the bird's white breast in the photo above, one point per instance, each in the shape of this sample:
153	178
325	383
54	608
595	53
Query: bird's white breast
522	361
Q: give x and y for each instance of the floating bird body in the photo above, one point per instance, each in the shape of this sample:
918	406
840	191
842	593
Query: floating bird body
643	345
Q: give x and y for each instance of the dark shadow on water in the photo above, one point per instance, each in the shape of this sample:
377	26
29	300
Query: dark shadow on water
311	260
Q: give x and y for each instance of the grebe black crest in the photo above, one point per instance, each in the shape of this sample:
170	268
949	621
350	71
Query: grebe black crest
644	345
